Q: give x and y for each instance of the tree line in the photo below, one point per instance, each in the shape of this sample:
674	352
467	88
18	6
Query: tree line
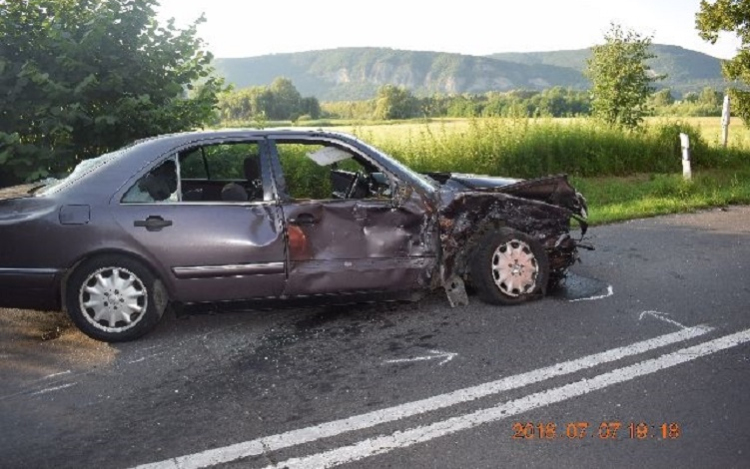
399	103
394	103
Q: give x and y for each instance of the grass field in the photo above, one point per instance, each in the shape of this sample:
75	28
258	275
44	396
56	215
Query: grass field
710	128
613	199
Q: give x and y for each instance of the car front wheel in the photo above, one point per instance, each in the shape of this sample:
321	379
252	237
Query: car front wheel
114	299
509	267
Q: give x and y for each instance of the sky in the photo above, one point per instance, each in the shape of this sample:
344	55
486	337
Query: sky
246	28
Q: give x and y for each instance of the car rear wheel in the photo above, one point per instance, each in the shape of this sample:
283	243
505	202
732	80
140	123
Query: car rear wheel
114	298
509	267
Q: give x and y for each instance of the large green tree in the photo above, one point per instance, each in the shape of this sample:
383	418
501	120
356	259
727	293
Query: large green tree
731	16
287	100
620	77
278	101
395	102
81	77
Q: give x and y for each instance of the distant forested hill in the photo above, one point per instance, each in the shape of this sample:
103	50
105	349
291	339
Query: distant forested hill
686	70
357	73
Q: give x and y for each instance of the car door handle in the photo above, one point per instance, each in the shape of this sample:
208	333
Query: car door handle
153	223
303	219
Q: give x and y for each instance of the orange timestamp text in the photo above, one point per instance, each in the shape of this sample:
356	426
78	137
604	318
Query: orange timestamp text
603	431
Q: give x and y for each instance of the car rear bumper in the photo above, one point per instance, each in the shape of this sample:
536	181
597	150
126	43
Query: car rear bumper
29	288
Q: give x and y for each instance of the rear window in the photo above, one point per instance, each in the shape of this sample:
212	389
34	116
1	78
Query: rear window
83	168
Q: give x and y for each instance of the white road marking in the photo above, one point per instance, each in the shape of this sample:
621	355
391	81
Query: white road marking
56	388
54	375
138	360
610	292
402	439
358	422
143	349
661	317
433	354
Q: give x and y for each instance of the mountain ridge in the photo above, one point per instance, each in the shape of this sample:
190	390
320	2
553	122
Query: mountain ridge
351	73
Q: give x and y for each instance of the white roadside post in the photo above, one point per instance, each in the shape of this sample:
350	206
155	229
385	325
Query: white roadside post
725	116
687	173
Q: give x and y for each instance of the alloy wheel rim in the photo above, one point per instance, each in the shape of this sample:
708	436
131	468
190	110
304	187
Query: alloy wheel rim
113	299
515	268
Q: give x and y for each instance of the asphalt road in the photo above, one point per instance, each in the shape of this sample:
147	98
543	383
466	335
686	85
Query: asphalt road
642	361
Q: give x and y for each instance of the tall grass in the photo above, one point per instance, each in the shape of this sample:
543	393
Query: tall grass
613	199
530	148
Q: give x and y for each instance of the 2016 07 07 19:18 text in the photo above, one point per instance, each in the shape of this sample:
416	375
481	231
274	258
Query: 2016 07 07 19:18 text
604	431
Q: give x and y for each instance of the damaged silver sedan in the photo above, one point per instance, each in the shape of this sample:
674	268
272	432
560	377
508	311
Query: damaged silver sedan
242	216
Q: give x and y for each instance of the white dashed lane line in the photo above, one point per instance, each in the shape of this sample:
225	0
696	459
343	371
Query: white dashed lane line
402	439
330	429
53	389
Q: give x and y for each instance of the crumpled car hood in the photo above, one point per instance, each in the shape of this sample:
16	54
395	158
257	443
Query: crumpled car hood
473	181
555	190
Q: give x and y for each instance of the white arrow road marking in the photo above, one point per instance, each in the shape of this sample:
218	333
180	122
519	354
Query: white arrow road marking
661	317
358	422
610	292
402	439
433	354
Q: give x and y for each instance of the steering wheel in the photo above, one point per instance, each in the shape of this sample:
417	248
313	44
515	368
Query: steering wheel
360	187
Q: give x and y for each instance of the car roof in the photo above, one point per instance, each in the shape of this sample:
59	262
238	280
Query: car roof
244	132
133	158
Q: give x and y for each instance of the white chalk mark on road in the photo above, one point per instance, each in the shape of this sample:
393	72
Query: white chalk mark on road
610	292
56	388
138	360
55	375
445	357
661	317
358	422
402	439
143	349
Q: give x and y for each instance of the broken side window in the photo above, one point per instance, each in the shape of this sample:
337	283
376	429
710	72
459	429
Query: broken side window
158	185
227	172
319	170
207	173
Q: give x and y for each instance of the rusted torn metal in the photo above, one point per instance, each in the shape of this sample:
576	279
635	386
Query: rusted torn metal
470	206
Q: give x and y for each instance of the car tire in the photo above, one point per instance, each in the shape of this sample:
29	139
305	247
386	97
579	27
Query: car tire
509	268
114	298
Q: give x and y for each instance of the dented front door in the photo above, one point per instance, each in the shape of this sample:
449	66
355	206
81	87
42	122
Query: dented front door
354	244
340	246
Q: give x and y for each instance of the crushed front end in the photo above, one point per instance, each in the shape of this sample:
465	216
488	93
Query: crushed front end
543	208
